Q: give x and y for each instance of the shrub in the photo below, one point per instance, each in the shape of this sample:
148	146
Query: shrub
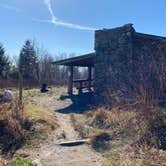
11	126
154	128
100	142
100	118
21	162
110	119
143	155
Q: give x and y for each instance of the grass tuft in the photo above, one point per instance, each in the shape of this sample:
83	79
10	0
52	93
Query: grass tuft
19	161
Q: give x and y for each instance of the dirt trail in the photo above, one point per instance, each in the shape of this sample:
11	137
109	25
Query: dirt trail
52	154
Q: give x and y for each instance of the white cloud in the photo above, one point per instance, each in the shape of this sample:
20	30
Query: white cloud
8	7
54	20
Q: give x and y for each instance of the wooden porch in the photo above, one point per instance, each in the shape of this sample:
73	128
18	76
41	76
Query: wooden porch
80	61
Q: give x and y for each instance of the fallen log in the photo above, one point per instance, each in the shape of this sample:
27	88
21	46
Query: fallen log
74	143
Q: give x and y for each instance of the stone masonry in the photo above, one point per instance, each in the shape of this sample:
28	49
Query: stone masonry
126	62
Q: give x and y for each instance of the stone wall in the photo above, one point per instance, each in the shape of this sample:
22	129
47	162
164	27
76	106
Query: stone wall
149	65
120	55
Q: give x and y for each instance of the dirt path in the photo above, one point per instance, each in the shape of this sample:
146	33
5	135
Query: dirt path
51	154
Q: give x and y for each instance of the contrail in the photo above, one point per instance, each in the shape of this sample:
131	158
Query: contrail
54	20
64	24
48	4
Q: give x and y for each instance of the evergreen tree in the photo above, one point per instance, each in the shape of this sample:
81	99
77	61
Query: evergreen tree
4	62
28	61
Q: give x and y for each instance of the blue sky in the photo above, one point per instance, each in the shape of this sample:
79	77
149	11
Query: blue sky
68	25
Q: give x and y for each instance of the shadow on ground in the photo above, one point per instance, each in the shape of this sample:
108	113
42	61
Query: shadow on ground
80	103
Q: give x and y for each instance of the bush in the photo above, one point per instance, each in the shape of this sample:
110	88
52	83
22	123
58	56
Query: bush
11	127
154	133
143	155
110	119
100	118
101	142
21	162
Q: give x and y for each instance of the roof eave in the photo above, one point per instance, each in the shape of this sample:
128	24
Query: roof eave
73	61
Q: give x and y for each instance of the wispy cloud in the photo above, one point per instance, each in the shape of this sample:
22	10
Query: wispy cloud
54	20
8	7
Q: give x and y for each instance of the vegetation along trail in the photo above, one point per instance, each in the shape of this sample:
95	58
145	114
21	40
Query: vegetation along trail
50	153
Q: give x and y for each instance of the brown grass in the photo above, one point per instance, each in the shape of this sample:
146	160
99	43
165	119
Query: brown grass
101	141
79	125
132	141
28	124
144	155
13	132
39	115
114	119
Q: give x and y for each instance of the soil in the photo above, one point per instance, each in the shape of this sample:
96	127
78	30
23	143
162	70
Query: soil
49	153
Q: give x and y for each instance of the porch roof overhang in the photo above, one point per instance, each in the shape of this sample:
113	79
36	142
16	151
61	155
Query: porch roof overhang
82	61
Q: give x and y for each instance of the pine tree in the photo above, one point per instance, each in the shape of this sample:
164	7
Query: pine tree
28	61
4	62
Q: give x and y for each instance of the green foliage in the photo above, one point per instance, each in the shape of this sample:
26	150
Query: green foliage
4	62
13	73
21	162
28	61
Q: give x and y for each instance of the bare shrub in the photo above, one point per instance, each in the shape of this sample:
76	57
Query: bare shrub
12	126
153	122
110	118
100	118
100	141
149	93
144	155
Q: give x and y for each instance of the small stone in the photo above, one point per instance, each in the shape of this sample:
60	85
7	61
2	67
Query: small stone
37	162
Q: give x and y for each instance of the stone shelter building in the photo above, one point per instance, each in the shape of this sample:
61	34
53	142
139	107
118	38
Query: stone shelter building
125	63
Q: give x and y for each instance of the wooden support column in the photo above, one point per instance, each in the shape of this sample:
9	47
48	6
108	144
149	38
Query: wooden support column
89	77
70	80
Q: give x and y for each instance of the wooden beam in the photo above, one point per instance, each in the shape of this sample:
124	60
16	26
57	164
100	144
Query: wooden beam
70	80
75	142
89	77
82	61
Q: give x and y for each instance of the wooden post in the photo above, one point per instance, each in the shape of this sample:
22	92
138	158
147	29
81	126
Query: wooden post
20	88
89	77
80	87
70	81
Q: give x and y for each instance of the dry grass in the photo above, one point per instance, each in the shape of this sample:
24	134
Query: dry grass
33	93
101	141
116	121
109	119
40	115
27	125
79	125
127	132
13	132
130	156
39	111
102	124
